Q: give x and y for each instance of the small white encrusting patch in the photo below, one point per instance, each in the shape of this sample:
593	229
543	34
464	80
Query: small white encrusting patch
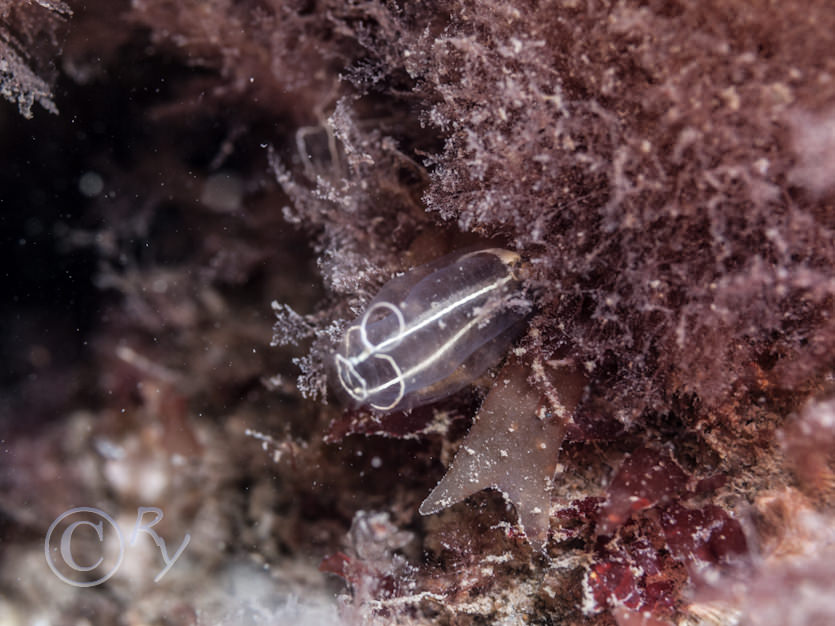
813	140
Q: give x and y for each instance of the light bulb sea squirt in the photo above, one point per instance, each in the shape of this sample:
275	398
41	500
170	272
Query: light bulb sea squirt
433	330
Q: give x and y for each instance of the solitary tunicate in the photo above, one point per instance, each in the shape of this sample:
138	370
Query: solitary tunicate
433	330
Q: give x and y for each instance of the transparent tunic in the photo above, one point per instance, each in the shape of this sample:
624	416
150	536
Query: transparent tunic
433	330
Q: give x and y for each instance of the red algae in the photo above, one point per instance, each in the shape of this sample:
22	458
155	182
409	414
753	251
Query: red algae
512	446
661	432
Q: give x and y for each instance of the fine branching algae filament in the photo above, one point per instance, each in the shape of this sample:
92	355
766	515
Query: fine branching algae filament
433	330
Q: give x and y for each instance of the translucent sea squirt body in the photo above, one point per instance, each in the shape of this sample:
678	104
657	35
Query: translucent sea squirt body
433	330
